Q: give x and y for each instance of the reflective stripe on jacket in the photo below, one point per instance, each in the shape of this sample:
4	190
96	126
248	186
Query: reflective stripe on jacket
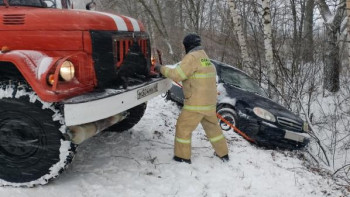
198	76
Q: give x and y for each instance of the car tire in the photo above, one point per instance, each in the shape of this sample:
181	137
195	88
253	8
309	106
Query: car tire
228	114
33	149
133	116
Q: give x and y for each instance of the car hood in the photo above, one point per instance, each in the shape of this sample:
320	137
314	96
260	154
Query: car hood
254	100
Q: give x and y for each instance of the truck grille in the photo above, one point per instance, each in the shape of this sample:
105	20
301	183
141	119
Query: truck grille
289	123
13	19
122	44
120	58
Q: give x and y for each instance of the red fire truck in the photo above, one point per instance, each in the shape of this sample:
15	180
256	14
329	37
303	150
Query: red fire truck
66	75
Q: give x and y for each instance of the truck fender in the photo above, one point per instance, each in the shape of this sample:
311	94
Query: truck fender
33	65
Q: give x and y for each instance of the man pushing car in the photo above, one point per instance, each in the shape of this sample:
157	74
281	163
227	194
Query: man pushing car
198	76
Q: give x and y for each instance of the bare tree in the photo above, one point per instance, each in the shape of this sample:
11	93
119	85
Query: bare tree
269	49
348	26
194	9
246	61
308	51
332	62
158	21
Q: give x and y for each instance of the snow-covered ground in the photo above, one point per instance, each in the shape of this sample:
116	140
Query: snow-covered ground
139	162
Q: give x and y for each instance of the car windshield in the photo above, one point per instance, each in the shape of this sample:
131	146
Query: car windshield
240	80
34	3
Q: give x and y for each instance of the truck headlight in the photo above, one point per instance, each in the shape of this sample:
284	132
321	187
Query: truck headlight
264	114
67	71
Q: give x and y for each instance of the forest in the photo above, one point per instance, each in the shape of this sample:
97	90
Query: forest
297	50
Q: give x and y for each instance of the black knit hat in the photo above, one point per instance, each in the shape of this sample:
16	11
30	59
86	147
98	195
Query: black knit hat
191	41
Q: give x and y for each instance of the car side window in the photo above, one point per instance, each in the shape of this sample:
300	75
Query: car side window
228	76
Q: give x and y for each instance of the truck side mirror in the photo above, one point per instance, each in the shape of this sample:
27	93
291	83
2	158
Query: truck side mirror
44	4
49	4
91	6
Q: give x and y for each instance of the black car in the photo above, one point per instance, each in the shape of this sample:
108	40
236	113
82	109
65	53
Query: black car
244	104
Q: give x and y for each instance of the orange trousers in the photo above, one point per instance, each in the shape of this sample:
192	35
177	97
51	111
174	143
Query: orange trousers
188	122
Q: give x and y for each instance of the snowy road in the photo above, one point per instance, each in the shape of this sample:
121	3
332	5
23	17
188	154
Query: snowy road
139	162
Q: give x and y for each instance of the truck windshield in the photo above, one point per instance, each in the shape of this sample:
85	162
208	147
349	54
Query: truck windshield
59	4
34	3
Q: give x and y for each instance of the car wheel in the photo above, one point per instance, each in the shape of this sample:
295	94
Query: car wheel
228	114
133	116
33	150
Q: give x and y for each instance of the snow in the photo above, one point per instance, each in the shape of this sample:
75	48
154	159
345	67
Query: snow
331	121
223	96
37	61
6	93
43	66
139	162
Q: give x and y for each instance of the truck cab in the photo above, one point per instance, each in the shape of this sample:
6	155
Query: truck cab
66	75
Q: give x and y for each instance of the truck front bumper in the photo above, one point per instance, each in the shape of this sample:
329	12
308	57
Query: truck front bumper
100	105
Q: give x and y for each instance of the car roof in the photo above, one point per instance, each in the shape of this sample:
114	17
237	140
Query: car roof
221	64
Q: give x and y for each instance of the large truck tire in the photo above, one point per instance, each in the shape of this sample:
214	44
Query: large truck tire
33	149
133	116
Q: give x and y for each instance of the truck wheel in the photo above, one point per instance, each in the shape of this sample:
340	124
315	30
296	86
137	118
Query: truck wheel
134	116
33	150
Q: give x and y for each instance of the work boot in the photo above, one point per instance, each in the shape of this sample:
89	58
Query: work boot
178	159
224	158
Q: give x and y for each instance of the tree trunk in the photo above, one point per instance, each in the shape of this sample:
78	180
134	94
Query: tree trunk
308	26
246	61
272	83
348	27
332	62
332	56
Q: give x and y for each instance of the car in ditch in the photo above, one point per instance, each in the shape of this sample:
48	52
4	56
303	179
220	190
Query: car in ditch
242	103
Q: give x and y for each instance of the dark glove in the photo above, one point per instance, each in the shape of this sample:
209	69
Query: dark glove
157	67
